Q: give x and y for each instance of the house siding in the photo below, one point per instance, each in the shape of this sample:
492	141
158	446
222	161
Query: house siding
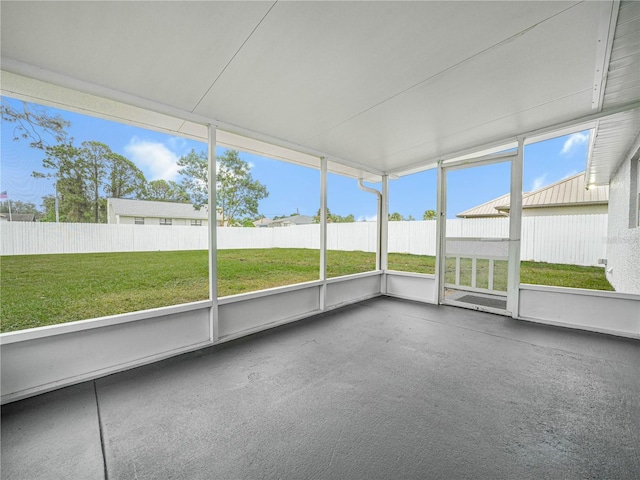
623	241
111	214
571	210
125	220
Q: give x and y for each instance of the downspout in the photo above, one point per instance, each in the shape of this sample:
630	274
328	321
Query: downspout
377	193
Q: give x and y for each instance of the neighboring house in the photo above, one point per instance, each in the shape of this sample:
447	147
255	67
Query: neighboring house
263	223
291	221
144	212
486	210
17	217
566	197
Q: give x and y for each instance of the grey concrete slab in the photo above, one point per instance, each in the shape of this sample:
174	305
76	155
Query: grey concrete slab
52	436
383	389
571	340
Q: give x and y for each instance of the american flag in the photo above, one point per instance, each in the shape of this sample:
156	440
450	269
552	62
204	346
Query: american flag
3	194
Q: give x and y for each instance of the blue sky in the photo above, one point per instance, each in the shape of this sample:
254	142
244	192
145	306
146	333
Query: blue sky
292	188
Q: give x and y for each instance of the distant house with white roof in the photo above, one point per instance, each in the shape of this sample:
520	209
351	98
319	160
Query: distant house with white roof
145	212
262	223
291	221
566	197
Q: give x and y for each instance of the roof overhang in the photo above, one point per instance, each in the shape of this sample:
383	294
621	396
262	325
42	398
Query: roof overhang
617	137
374	87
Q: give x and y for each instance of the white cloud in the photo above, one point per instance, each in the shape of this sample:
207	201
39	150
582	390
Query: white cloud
574	141
153	157
367	218
178	144
538	182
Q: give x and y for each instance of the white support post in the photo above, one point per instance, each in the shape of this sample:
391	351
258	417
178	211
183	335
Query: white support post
490	279
323	232
474	275
441	222
383	245
213	235
515	229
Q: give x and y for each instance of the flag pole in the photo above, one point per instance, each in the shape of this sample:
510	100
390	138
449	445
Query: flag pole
9	200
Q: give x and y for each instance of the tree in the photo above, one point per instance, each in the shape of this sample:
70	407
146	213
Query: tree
94	157
124	179
84	176
164	191
238	194
33	122
395	217
334	218
429	215
69	174
410	218
20	207
195	170
276	217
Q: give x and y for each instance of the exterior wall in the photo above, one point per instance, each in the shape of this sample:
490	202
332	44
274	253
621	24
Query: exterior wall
623	242
111	216
574	210
128	220
180	222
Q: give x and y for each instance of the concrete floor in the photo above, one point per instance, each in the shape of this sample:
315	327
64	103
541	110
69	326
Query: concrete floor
384	389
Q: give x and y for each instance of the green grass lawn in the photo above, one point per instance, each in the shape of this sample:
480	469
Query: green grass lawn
38	290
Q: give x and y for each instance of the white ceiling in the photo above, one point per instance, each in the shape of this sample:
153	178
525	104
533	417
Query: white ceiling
380	86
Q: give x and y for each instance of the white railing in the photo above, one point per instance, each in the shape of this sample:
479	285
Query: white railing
572	239
474	249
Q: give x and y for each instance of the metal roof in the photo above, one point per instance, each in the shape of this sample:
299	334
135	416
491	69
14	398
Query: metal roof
567	192
570	191
375	87
146	208
18	217
488	209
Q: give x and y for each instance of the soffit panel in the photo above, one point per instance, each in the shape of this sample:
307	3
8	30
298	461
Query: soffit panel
615	135
623	77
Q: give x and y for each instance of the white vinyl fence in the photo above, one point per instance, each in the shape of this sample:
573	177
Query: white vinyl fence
571	239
